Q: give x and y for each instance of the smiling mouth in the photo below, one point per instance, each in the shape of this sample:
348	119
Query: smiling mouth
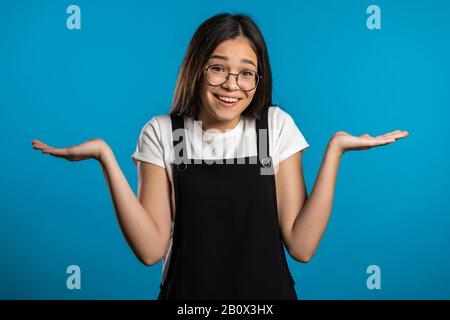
226	99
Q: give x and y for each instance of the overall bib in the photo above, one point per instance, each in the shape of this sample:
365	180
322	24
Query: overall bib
227	243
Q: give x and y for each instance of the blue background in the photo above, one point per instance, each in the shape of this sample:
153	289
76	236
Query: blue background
391	205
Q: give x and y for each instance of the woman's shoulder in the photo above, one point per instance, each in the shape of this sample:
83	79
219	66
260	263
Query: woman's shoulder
158	123
287	137
159	119
157	129
278	117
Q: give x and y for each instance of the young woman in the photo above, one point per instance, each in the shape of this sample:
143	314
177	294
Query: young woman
221	187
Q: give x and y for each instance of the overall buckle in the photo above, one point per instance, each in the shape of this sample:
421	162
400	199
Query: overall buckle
266	162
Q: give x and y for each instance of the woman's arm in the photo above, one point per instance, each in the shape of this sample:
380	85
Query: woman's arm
303	219
145	220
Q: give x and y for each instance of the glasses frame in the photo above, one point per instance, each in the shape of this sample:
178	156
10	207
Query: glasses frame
236	75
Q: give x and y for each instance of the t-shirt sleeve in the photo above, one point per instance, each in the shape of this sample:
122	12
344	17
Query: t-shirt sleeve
149	147
289	139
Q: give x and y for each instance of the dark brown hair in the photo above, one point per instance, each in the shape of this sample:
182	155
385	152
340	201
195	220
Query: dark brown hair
209	35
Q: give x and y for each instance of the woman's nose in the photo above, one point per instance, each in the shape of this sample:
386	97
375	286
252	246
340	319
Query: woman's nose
231	83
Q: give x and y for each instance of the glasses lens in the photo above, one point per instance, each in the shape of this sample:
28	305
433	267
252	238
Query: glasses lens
216	75
247	80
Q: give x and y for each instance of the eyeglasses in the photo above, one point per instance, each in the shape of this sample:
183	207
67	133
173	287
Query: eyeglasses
217	75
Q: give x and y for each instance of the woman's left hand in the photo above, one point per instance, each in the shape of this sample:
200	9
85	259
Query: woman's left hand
342	141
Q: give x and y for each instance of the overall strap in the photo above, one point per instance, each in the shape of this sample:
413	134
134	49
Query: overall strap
262	135
178	137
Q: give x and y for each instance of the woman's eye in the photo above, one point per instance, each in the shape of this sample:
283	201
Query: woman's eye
218	68
248	73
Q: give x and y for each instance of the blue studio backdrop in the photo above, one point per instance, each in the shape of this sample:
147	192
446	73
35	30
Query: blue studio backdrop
331	72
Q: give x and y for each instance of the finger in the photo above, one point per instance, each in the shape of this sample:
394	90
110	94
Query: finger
397	135
389	133
384	141
36	147
380	143
36	141
55	151
372	142
401	135
42	146
39	145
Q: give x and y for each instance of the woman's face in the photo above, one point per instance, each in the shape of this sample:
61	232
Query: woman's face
235	55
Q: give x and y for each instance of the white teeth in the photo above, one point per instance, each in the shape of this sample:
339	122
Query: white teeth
227	99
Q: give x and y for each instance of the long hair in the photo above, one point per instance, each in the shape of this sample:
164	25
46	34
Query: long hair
212	32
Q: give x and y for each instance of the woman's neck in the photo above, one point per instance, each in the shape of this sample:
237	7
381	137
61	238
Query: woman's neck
209	122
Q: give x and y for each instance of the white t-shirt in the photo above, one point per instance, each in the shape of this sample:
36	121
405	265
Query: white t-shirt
155	145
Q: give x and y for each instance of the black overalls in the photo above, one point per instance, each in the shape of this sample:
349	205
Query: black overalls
226	240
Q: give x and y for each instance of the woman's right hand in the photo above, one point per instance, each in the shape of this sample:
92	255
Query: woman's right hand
90	149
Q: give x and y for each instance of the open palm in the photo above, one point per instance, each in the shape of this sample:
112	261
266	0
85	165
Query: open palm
90	149
347	142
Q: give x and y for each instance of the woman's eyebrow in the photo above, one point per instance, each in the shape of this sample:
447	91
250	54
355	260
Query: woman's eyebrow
226	59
